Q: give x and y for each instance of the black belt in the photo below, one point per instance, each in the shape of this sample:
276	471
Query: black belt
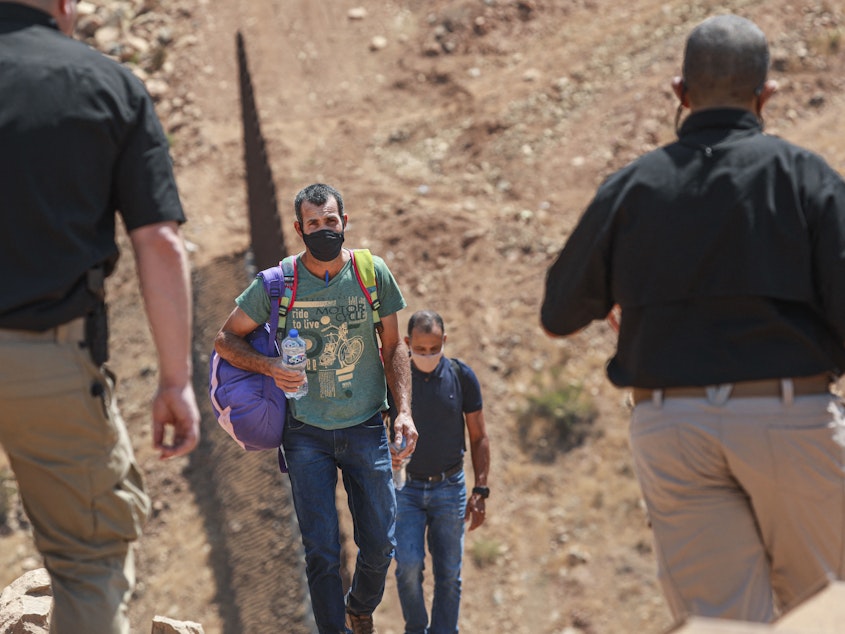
436	478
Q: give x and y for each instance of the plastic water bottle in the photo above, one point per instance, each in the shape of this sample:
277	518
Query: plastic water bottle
294	358
399	474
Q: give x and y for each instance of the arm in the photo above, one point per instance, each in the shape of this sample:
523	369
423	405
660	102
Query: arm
825	213
231	344
397	372
578	285
479	446
163	273
614	320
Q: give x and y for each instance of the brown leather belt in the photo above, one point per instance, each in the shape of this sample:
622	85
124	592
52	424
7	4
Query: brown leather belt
801	385
437	478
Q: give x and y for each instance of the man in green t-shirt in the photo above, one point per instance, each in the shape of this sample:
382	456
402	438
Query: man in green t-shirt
338	423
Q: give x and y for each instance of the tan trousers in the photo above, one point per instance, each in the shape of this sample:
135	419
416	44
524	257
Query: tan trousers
746	499
76	473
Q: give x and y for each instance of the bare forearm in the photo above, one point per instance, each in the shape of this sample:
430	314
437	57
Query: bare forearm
164	276
397	371
237	351
480	452
165	281
479	446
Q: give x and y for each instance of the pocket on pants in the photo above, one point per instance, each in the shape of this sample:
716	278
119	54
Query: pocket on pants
807	460
120	514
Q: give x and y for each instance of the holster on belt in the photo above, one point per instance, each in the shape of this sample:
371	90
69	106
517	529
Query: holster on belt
96	321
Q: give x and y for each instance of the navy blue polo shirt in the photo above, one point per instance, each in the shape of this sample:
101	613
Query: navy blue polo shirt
438	404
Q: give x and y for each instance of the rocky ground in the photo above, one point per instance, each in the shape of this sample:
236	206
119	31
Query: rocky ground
466	136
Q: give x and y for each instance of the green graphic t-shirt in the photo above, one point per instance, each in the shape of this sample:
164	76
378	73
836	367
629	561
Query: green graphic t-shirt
346	384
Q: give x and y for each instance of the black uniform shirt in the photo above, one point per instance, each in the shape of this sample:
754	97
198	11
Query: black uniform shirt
79	139
726	253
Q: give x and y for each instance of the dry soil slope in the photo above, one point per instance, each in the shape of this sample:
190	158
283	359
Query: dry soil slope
466	169
466	149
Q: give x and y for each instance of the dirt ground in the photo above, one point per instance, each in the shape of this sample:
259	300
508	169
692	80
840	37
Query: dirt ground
466	143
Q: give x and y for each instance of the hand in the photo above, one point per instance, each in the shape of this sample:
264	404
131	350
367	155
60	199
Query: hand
396	461
404	428
475	513
614	317
286	379
175	414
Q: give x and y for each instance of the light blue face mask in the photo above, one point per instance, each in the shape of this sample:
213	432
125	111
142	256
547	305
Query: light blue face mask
427	362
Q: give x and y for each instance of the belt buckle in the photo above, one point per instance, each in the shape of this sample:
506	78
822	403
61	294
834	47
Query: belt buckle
427	479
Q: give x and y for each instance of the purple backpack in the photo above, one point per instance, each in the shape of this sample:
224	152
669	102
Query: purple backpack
248	405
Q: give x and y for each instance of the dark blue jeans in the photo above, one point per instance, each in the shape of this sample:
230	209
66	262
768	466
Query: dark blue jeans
314	456
440	508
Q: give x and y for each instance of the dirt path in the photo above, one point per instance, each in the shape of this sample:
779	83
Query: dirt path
333	109
466	147
465	169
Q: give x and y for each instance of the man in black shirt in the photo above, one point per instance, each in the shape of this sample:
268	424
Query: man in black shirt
79	140
726	253
433	505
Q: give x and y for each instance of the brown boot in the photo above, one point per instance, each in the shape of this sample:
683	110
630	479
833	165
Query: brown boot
360	623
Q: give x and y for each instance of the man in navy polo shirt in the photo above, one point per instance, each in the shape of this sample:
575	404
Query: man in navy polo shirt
446	396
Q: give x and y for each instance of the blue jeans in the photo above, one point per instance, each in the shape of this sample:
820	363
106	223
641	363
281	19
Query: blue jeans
440	508
361	452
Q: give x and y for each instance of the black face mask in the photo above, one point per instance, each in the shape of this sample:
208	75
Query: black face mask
325	244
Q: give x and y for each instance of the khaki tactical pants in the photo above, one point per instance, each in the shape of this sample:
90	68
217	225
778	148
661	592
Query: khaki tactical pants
746	497
76	473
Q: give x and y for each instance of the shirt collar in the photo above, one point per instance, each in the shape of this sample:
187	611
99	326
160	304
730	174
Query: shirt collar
720	119
14	12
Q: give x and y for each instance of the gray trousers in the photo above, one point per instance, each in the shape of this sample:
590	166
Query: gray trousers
746	499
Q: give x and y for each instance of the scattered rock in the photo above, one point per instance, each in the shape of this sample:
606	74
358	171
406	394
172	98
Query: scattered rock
577	557
532	74
107	38
163	625
378	43
817	100
26	603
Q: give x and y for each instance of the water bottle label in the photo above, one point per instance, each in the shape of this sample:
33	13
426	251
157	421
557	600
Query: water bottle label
296	359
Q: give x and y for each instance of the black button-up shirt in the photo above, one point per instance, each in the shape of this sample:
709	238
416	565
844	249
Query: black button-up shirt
79	139
726	253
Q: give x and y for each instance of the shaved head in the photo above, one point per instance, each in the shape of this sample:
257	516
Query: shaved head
726	60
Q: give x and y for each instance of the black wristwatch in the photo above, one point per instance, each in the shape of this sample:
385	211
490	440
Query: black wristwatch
482	491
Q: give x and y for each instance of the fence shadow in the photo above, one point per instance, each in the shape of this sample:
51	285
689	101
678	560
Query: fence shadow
244	500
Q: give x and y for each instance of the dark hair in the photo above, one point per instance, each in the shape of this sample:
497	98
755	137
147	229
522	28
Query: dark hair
425	321
726	57
317	194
